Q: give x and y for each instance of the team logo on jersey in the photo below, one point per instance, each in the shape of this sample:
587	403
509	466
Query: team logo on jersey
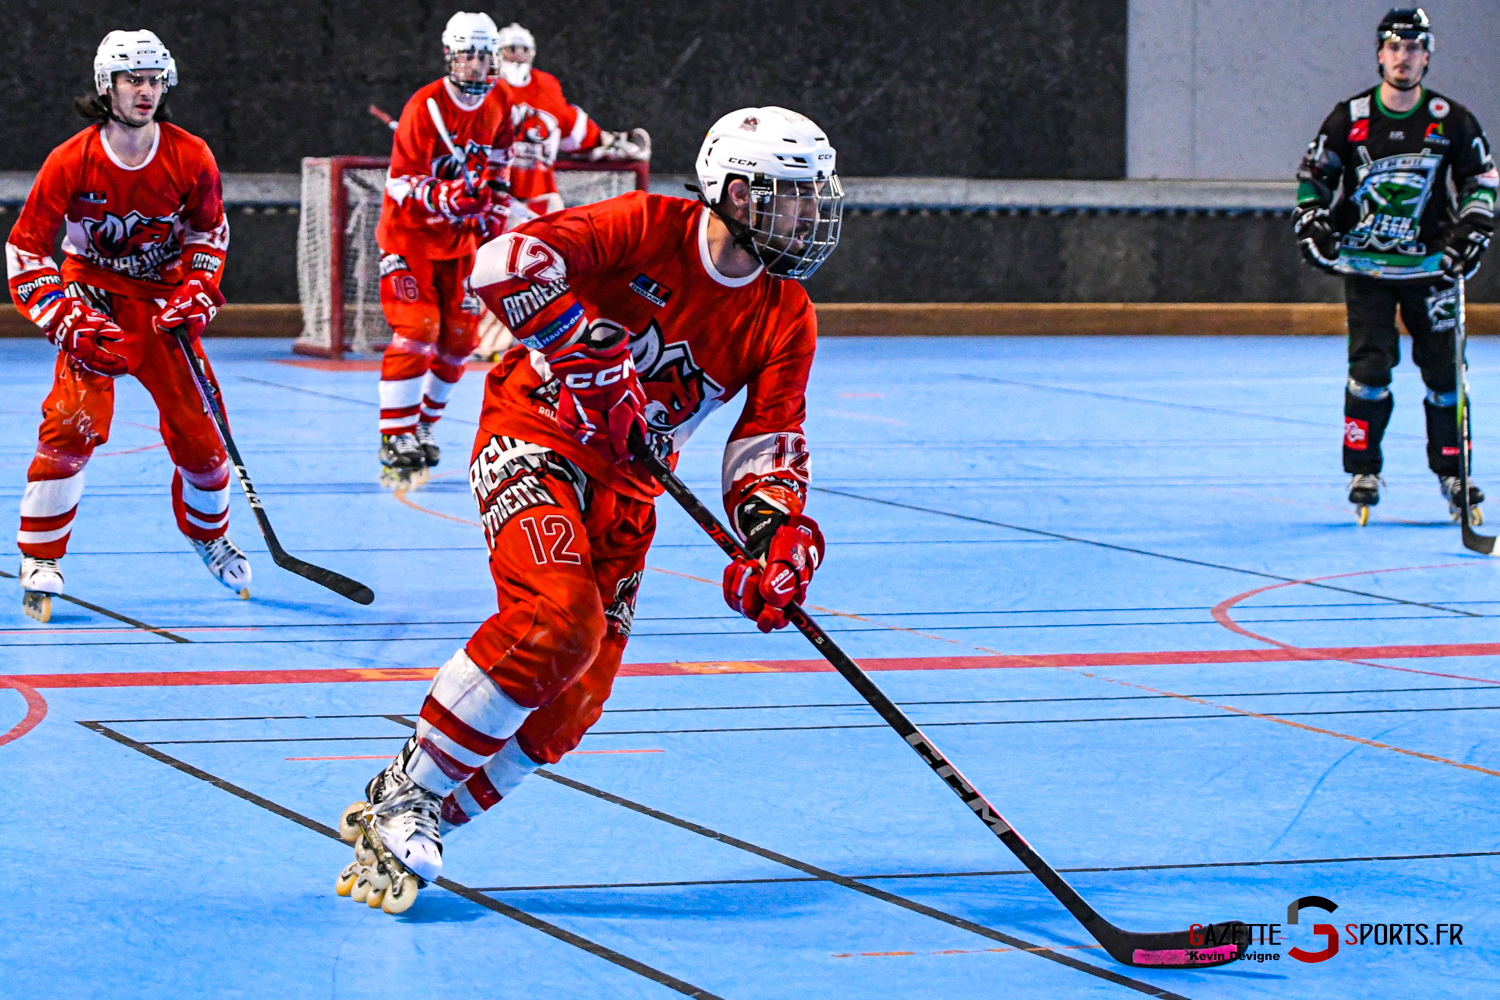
621	613
1360	130
538	136
448	167
651	291
135	244
676	386
1397	135
92	197
1438	108
1356	434
1435	133
1391	195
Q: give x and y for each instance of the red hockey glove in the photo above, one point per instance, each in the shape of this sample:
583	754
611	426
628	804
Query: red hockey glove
599	398
89	337
195	303
761	593
453	200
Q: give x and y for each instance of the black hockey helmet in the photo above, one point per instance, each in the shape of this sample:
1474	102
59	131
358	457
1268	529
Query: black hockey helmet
1405	22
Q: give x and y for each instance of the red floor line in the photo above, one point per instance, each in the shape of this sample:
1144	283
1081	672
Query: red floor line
36	709
1279	653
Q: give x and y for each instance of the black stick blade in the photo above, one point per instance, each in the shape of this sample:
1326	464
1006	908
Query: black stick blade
1474	541
1203	948
339	584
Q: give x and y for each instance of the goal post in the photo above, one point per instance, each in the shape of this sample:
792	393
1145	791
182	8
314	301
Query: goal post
338	260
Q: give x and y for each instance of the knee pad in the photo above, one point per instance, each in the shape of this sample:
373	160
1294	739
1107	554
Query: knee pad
1368	392
465	720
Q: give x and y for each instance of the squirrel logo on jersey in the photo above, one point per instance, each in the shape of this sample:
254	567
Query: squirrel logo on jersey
676	387
538	136
476	160
135	244
621	613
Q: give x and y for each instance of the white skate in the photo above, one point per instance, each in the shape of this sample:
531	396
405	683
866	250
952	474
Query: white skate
397	846
40	579
227	563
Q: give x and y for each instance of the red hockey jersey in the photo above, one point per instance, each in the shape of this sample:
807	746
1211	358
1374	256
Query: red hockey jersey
697	338
545	123
482	134
131	230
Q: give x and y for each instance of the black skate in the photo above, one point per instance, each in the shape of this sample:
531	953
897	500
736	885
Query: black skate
397	846
1452	490
403	463
430	449
1364	493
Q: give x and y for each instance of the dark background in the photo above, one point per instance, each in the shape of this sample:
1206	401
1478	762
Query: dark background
998	88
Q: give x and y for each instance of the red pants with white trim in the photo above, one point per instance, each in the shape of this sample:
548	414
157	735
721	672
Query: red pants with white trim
76	419
435	317
566	555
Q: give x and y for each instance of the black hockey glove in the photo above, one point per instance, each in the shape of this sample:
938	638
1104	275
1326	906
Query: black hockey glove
1465	247
1315	237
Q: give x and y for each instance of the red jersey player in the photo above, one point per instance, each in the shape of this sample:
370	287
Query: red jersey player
144	244
444	193
642	311
546	124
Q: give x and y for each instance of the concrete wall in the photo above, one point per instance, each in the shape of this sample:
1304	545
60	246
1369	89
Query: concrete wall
984	88
1236	88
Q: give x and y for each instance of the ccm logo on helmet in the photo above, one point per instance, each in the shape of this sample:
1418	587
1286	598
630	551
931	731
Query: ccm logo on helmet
742	163
607	377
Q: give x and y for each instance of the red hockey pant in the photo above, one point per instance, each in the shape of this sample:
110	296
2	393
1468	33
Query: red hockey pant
435	317
566	582
76	419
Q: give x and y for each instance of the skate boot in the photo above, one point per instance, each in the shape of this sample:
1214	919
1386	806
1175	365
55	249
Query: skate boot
40	579
430	449
1364	493
403	462
227	563
397	846
1452	490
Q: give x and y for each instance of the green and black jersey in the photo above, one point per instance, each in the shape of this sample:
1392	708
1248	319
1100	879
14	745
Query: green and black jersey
1397	184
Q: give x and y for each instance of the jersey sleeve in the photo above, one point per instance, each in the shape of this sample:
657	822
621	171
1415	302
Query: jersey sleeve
1474	174
1322	166
578	129
205	236
767	453
411	152
501	153
36	284
524	276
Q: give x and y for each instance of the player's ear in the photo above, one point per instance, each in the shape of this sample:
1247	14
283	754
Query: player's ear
737	199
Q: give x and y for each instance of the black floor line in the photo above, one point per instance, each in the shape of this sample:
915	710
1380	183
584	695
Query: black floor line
1008	871
342	399
473	895
1166	403
1147	552
100	611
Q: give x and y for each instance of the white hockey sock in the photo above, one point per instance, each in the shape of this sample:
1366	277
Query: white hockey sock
435	393
400	403
47	510
205	501
465	721
491	783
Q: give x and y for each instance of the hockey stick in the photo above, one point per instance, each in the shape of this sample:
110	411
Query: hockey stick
1213	944
1472	539
383	117
341	585
463	161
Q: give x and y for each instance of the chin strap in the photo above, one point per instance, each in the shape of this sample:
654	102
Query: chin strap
738	231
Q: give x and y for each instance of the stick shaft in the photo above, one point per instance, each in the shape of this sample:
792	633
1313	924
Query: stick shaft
1472	540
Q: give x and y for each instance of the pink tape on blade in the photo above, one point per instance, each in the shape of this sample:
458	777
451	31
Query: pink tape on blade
1180	956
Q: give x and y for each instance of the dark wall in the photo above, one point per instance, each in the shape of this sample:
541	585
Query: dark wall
996	88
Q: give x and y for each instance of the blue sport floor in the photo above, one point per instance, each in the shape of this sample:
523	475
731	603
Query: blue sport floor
1208	694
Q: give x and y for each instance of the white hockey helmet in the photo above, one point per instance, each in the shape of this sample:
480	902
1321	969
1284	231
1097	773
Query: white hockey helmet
471	32
131	52
796	200
517	73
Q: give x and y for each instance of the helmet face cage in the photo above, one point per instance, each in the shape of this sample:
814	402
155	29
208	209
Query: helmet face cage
475	88
794	224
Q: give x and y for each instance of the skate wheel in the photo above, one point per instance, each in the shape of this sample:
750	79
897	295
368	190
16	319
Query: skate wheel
375	898
360	891
1362	515
349	822
37	605
401	894
244	593
347	878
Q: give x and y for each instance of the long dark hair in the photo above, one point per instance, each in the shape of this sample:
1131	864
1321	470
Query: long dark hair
96	108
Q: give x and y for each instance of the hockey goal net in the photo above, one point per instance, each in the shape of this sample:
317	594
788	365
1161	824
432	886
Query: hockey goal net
338	261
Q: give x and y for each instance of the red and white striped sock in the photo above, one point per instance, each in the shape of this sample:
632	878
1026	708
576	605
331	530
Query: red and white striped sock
465	721
47	510
491	783
201	502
